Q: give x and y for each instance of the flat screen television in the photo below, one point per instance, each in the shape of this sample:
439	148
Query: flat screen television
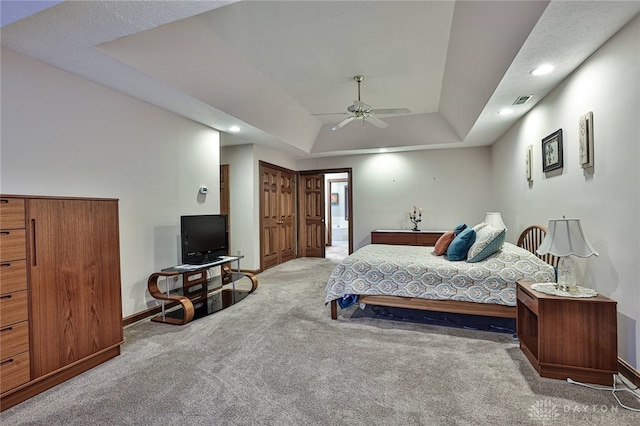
204	238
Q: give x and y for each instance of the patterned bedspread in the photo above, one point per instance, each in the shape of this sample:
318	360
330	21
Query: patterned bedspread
412	271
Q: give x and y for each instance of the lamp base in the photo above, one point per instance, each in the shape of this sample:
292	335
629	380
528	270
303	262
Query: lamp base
567	275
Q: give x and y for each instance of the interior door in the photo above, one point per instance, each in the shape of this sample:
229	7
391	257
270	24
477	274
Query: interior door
312	221
269	220
277	219
286	215
225	198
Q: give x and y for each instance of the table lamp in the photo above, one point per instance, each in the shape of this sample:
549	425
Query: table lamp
495	219
565	239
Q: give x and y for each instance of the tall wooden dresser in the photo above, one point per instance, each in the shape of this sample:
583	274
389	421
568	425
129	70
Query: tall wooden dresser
60	303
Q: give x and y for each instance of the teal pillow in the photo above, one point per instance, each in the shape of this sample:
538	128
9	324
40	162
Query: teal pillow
460	245
488	241
458	229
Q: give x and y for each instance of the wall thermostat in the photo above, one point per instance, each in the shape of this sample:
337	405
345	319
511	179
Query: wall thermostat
204	190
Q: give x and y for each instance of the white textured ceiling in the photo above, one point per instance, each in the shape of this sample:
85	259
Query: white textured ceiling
269	66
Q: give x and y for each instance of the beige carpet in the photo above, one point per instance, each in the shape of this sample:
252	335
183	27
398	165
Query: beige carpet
276	358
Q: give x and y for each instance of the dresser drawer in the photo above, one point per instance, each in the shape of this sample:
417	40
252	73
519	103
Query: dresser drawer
14	339
427	238
13	276
13	245
400	238
12	214
14	371
13	307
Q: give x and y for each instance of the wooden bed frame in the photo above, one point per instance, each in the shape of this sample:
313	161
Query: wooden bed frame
530	239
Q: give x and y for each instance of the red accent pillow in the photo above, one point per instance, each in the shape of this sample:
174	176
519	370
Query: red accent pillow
443	243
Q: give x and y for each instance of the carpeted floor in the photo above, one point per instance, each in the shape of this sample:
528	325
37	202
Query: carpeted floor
276	358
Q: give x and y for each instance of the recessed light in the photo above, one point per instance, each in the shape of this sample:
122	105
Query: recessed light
505	111
234	129
542	69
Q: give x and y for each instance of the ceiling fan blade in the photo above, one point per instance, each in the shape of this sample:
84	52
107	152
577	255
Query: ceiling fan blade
392	111
332	113
376	121
343	123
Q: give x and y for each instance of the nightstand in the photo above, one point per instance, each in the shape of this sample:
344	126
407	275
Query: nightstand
567	337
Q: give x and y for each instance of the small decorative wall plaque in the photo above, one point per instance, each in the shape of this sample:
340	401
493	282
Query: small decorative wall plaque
528	162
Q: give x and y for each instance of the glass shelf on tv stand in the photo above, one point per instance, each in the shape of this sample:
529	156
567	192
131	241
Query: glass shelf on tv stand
193	300
196	267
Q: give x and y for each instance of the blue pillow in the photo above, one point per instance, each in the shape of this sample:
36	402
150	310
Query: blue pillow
458	229
460	245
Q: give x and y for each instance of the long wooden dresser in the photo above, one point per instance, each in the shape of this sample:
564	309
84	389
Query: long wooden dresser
60	298
405	238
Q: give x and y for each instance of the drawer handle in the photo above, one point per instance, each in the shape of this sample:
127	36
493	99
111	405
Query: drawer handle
4	201
5	233
34	260
8	361
6	329
5	265
6	296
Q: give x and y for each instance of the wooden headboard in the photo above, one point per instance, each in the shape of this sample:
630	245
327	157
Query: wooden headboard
530	240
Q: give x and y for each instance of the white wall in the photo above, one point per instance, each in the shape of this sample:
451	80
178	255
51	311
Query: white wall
244	181
607	198
65	136
451	185
243	208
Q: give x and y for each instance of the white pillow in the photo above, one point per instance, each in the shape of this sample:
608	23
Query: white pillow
488	241
480	226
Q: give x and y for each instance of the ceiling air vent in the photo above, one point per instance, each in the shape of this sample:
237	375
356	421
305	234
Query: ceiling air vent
522	99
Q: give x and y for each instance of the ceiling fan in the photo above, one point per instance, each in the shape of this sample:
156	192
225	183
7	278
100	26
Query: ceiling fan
361	110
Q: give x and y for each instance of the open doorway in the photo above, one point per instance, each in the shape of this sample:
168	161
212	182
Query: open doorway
337	208
325	229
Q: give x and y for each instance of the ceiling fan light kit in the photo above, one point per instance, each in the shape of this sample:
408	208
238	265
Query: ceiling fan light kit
360	110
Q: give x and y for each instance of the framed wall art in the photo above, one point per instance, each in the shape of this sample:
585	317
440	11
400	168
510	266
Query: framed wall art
552	152
528	162
585	138
335	198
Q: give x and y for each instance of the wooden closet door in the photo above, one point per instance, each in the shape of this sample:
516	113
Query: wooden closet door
269	221
286	213
76	307
277	215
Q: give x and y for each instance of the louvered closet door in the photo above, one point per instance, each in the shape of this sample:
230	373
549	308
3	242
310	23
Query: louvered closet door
76	307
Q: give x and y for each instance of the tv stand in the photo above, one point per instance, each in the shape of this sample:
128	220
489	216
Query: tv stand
200	296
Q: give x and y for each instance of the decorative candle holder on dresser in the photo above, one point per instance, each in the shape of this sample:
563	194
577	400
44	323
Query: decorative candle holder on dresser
415	216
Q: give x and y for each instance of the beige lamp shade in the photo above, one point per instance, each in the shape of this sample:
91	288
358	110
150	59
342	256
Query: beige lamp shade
565	237
495	219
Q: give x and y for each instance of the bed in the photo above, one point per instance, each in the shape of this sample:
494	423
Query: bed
414	277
